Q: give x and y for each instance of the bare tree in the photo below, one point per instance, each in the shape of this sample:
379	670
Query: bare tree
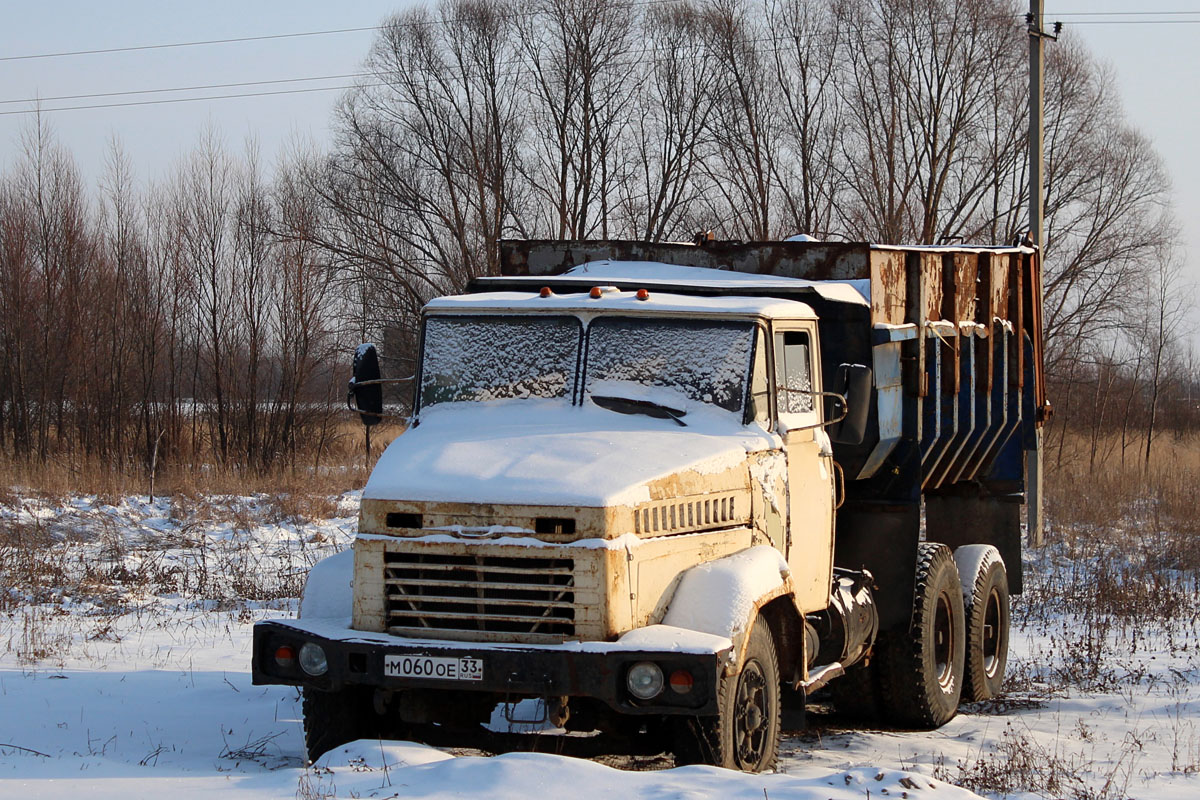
807	52
1107	199
205	197
1167	303
579	60
744	129
667	135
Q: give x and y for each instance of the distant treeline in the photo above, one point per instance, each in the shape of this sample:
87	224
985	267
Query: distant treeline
204	315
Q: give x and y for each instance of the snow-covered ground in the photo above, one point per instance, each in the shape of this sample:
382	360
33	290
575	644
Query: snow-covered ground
124	672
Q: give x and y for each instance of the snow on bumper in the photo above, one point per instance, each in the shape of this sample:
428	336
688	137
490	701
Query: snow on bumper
573	669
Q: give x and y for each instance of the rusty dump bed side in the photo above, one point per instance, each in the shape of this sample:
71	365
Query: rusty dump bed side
954	339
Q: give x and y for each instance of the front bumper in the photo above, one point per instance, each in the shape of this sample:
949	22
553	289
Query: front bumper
573	669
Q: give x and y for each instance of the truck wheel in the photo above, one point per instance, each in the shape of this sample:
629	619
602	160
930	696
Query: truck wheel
922	669
985	600
745	733
335	718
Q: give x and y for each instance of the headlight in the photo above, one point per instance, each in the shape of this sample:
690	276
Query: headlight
312	659
644	679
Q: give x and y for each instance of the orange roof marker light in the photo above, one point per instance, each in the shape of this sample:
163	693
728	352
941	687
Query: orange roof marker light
595	292
643	294
545	292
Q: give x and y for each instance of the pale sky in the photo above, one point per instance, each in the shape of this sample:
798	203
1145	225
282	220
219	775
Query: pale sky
155	135
1157	66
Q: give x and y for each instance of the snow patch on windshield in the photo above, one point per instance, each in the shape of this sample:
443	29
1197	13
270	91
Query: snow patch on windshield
477	358
706	360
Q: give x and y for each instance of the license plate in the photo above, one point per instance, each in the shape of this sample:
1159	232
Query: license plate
450	669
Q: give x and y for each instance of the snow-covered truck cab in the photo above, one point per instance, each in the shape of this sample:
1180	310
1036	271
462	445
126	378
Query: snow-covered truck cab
618	496
629	433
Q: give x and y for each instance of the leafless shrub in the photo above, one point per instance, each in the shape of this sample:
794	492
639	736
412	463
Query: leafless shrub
300	508
1019	764
312	785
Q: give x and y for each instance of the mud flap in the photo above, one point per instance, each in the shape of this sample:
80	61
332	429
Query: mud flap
957	520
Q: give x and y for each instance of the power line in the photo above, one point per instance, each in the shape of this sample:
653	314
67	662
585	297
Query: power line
629	59
189	44
265	37
1123	13
184	88
634	54
1137	21
183	99
336	31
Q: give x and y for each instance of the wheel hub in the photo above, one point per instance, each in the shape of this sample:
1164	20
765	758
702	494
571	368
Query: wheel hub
750	719
991	634
943	643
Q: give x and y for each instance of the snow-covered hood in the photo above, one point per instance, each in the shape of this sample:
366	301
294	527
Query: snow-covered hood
532	452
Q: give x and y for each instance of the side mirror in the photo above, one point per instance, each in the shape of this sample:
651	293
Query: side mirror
365	392
854	383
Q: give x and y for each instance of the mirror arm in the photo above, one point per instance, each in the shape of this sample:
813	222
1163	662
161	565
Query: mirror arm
381	414
380	381
823	423
376	382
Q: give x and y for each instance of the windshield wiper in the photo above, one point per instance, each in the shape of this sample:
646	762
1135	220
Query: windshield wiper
626	405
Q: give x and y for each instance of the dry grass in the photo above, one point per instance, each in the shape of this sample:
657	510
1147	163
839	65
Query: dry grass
1109	494
342	466
1122	565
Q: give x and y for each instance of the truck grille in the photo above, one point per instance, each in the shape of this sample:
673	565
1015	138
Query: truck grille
457	595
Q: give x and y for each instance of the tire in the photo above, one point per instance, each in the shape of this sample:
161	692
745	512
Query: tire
921	672
335	718
745	733
988	620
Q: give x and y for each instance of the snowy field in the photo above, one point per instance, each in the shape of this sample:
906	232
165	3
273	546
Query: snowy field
125	636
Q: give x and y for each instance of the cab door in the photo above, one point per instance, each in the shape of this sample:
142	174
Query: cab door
809	462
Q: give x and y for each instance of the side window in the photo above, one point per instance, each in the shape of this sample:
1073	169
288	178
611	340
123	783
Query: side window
760	382
793	370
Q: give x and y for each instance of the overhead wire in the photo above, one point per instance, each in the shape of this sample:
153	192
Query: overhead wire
184	88
168	45
183	99
1122	13
364	28
261	38
239	84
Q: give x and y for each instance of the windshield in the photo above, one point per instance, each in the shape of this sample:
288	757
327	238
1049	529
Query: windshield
479	358
665	360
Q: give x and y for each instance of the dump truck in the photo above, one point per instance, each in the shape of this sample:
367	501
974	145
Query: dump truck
656	494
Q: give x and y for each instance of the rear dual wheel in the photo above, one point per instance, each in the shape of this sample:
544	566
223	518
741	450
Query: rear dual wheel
921	668
985	597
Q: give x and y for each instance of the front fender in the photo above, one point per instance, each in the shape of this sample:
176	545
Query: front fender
328	591
722	597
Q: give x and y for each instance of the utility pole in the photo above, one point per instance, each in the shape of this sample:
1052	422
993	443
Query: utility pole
1037	35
